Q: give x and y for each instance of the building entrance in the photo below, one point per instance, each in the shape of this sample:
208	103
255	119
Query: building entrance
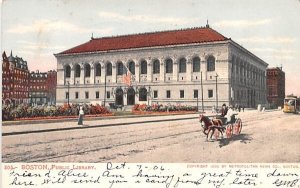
119	97
130	96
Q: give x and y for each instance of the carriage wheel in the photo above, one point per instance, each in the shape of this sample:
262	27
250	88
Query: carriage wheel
229	131
238	126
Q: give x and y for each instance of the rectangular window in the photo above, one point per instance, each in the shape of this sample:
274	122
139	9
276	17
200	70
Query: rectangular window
168	94
97	94
210	93
76	95
86	95
108	94
67	95
155	94
196	94
181	93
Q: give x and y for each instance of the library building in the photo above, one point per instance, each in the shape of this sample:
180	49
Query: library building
182	67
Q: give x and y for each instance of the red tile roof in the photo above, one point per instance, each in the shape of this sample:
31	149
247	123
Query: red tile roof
163	38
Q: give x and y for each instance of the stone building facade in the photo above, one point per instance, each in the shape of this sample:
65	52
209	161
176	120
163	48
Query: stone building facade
275	86
167	68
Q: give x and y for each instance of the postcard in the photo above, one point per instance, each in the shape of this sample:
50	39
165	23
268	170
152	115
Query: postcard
140	93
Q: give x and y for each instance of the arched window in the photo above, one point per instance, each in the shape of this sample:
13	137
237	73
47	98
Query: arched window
68	71
108	69
143	67
98	69
211	63
169	66
156	67
120	68
182	65
87	70
77	70
196	64
131	67
143	94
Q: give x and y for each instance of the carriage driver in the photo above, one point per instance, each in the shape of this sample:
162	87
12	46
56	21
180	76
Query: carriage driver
224	110
230	115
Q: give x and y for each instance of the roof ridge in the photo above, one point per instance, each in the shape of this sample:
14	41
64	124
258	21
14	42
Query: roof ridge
148	39
152	32
218	33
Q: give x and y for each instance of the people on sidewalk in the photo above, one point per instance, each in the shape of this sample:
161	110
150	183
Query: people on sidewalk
81	114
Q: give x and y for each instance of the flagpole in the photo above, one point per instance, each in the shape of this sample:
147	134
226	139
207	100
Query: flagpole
202	93
128	71
126	68
105	86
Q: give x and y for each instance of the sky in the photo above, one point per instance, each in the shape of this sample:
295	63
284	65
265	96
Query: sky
35	29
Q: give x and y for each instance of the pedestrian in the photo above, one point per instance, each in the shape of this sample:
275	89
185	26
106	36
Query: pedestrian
243	108
81	114
213	110
239	107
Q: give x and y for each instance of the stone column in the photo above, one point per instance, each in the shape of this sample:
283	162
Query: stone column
203	69
149	71
114	73
137	72
92	77
162	70
82	74
175	71
103	73
189	70
72	76
62	76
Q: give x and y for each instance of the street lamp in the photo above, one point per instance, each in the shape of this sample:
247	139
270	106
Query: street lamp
216	91
105	86
202	93
68	93
197	101
148	94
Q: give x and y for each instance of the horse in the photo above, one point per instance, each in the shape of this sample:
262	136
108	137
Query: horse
211	125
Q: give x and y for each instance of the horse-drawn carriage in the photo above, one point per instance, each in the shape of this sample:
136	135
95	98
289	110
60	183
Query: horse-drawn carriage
214	126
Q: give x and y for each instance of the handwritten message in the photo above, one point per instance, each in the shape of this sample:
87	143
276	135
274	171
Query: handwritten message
150	175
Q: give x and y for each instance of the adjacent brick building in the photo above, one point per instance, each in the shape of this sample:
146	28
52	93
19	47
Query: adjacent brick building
15	79
19	86
275	86
51	86
37	85
42	87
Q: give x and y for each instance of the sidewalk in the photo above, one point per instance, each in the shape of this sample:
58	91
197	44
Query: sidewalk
71	124
72	119
92	123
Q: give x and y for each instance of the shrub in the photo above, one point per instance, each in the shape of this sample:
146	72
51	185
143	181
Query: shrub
162	108
25	111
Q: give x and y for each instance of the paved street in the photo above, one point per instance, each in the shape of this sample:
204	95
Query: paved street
266	137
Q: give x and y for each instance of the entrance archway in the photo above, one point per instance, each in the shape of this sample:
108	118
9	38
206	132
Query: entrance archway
130	96
119	97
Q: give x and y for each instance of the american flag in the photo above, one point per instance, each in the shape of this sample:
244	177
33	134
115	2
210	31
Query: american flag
127	78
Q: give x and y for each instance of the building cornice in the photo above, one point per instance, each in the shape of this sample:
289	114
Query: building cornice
248	52
143	48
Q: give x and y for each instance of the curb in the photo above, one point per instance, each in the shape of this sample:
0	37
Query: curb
94	126
30	122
